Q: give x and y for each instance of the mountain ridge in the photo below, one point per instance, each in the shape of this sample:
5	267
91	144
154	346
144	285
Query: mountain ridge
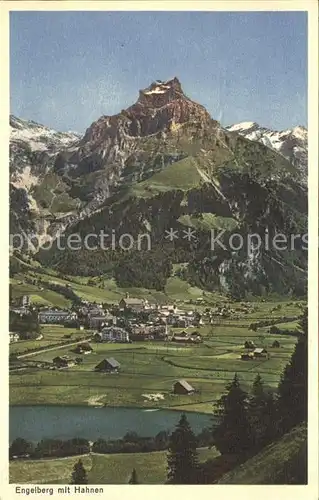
165	163
291	143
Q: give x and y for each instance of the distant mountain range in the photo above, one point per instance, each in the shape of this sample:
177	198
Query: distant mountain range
161	164
291	143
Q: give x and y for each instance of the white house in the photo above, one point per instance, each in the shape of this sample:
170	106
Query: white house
114	334
13	337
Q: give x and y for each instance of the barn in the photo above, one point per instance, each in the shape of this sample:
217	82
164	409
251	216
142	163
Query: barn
249	344
109	365
260	352
183	387
275	343
246	356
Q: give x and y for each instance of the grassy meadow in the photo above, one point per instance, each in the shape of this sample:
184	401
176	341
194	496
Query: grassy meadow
102	469
152	367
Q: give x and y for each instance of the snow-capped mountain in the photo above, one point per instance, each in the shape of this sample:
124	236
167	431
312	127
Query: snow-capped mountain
33	150
291	143
31	147
39	137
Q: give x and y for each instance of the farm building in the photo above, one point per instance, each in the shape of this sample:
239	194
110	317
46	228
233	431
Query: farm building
275	343
249	344
247	356
109	365
63	361
179	338
196	337
84	348
183	387
260	352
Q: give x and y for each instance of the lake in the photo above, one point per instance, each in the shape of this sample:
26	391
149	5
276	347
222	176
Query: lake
34	423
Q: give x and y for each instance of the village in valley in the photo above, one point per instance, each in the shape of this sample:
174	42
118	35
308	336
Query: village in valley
109	338
102	360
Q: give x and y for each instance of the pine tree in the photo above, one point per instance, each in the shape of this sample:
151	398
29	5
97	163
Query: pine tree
182	454
133	479
79	475
293	386
233	433
261	415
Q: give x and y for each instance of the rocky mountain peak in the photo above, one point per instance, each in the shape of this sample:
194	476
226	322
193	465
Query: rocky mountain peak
160	93
162	106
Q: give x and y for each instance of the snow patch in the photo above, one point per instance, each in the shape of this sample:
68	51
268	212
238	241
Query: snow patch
242	126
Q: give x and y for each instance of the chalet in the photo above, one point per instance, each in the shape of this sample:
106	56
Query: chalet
275	344
63	361
249	344
196	337
114	334
109	365
246	356
260	352
131	304
56	317
183	387
84	348
180	337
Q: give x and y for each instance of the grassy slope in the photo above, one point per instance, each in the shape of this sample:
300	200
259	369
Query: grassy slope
38	296
180	175
270	463
102	469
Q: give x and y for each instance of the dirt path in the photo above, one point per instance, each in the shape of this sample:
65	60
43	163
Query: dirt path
64	346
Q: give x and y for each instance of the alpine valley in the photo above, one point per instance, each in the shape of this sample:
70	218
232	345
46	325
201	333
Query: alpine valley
164	164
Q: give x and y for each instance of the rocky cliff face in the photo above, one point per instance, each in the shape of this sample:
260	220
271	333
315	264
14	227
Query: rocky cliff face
113	143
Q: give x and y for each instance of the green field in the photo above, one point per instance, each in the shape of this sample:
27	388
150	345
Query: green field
52	334
102	469
149	367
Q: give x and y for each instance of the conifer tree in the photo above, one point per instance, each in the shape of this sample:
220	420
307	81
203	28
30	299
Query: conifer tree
262	415
133	479
79	475
182	454
293	386
233	433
